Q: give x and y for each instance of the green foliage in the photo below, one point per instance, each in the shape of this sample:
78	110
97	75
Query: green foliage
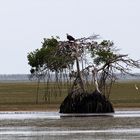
36	59
49	56
56	57
103	52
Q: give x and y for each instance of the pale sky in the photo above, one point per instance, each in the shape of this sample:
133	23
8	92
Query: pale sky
24	24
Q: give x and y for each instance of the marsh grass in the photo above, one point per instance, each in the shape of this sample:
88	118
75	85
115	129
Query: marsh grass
124	94
22	96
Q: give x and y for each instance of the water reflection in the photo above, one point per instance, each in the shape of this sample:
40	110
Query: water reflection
52	125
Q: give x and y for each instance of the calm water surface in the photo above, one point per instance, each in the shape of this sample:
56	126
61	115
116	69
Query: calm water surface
55	126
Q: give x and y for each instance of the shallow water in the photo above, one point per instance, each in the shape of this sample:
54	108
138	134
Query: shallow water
55	126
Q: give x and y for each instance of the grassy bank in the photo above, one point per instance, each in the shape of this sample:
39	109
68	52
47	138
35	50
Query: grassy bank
125	95
23	96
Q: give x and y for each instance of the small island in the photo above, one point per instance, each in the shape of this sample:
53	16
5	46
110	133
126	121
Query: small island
87	66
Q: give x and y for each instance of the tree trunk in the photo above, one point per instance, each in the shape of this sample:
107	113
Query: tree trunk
79	76
96	80
37	93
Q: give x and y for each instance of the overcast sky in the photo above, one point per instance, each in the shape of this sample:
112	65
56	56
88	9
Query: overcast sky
24	24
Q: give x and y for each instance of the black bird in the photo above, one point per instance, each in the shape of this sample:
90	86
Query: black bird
70	38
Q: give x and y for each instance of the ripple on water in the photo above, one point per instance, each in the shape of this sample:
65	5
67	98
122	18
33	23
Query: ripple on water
52	125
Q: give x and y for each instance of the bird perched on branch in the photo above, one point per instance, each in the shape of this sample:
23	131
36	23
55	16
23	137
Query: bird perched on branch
70	38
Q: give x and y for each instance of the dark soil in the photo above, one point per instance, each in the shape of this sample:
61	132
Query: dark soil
86	103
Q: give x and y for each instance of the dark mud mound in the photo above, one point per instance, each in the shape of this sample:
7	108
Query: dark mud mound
86	103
